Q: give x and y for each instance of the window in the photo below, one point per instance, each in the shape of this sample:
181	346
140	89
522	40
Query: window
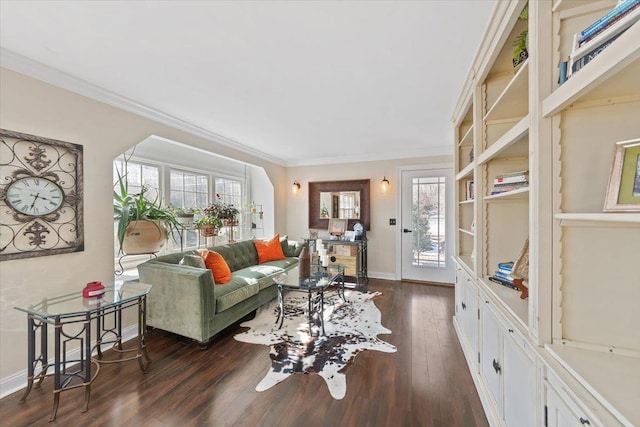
188	189
428	217
178	188
138	174
229	191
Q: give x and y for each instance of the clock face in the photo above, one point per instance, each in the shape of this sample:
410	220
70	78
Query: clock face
34	196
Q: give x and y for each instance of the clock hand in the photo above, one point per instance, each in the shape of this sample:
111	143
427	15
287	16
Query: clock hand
35	197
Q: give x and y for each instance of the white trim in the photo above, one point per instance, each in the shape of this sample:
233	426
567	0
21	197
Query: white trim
439	150
18	381
381	275
31	68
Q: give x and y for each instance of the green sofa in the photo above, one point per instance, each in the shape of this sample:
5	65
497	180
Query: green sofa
186	301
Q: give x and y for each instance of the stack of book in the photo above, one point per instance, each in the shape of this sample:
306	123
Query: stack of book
510	181
502	275
591	41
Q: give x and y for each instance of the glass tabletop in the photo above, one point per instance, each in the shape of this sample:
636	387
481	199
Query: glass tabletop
74	304
321	277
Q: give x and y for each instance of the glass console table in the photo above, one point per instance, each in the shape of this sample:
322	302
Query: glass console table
71	317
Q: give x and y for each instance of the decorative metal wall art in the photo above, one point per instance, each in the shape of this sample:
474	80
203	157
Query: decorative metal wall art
41	211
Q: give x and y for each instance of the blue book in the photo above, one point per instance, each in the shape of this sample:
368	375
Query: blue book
503	276
506	265
613	22
504	271
602	22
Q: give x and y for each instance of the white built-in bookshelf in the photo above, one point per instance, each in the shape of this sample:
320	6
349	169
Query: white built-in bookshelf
578	333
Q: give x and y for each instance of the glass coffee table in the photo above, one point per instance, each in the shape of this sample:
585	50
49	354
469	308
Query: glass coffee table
320	279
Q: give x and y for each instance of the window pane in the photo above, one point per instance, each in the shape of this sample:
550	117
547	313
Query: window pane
150	176
176	199
428	217
201	200
189	182
202	184
189	199
176	180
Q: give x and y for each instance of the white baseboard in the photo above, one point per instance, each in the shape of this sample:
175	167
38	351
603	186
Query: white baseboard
18	381
380	275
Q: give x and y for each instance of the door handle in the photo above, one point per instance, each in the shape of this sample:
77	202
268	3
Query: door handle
406	230
496	366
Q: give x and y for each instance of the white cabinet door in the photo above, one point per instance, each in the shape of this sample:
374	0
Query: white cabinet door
471	316
519	384
490	358
563	412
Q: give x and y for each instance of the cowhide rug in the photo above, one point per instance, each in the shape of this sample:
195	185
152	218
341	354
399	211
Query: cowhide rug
350	328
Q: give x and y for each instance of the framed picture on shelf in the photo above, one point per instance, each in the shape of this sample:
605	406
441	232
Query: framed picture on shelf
337	227
623	191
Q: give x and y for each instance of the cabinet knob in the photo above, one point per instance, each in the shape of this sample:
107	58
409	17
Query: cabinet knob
511	330
584	421
496	366
464	306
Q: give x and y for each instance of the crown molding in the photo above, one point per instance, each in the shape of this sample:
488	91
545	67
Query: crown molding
438	150
39	71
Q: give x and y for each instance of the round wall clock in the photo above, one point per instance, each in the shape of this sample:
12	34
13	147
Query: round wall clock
40	196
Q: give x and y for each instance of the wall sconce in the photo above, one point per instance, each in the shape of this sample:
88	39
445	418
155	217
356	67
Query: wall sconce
295	187
384	184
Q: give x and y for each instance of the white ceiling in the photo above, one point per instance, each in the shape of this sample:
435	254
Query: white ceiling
302	82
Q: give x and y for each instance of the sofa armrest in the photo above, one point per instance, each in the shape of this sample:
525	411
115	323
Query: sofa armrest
182	299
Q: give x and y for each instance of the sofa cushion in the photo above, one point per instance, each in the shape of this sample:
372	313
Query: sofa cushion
263	273
269	250
235	291
218	266
238	255
193	261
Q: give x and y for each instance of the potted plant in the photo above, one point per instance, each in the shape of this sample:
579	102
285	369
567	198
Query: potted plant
184	215
143	225
520	53
209	222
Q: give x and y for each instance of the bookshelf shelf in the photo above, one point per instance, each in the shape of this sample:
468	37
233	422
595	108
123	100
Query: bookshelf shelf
467	138
586	219
520	193
465	231
512	102
466	202
509	139
466	172
620	55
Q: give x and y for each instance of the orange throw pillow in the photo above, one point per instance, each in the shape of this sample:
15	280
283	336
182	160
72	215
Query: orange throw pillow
217	265
271	250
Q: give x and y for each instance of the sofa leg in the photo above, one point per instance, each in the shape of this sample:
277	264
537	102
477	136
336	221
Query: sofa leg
203	345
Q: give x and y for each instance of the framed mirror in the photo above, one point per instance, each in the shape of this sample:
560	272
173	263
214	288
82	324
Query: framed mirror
340	200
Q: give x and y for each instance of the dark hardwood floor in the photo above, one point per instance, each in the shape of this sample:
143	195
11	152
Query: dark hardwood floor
425	383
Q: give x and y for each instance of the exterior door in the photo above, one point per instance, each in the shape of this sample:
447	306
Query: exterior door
426	226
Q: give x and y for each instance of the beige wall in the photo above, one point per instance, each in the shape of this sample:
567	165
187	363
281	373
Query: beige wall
33	107
382	236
